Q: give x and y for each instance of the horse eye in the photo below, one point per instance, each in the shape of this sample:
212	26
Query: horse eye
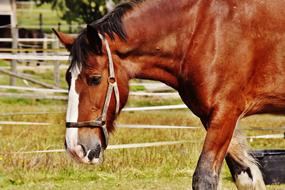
94	80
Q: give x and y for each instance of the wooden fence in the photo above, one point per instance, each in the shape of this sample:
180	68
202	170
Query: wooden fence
54	54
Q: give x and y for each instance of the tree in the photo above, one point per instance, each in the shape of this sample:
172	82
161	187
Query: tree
81	11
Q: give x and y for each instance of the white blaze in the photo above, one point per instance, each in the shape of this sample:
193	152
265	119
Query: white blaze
72	110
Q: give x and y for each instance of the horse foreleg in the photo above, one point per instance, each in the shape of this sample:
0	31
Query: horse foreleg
220	129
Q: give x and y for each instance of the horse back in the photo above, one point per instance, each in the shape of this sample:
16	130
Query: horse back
237	55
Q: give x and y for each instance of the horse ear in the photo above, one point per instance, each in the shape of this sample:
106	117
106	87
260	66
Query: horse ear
65	39
94	39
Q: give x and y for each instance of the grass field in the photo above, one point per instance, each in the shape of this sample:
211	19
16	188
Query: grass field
167	167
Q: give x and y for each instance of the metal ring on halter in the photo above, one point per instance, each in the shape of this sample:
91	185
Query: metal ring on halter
111	80
100	122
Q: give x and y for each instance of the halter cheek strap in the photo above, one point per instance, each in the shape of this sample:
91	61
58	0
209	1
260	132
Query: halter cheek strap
112	86
100	122
112	83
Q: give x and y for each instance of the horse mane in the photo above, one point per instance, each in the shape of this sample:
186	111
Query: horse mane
109	24
112	22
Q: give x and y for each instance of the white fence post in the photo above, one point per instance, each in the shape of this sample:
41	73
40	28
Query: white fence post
15	35
55	45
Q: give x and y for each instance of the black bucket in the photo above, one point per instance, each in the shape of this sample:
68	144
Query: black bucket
272	165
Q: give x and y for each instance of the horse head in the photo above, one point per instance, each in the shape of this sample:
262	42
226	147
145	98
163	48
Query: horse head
98	89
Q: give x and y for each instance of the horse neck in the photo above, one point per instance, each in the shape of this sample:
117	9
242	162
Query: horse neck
143	66
151	20
155	50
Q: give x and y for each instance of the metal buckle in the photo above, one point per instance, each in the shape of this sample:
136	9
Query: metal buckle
112	80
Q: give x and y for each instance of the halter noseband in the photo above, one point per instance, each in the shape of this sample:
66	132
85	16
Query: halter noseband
100	122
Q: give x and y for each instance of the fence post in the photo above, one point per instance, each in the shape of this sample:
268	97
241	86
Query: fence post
45	45
55	45
41	21
15	35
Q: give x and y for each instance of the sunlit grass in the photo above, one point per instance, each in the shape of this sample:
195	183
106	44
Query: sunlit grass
167	167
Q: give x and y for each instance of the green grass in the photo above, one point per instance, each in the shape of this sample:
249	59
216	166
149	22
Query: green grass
4	63
167	167
137	88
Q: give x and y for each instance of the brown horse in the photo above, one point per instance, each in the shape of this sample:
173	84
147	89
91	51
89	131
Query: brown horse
226	58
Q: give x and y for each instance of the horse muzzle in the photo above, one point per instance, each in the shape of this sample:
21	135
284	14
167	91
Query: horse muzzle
86	148
88	155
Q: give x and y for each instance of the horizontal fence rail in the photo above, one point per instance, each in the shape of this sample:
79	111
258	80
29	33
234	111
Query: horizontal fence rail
33	96
34	57
265	128
154	108
271	136
137	126
65	97
154	84
44	90
45	96
113	147
30	113
156	94
29	40
128	109
66	91
25	50
127	126
49	26
22	123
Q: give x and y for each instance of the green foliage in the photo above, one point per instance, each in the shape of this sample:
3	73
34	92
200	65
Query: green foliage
81	11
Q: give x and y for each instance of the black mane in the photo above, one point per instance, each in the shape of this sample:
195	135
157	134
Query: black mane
112	22
109	24
80	50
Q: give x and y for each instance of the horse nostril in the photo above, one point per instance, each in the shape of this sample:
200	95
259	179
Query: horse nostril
94	153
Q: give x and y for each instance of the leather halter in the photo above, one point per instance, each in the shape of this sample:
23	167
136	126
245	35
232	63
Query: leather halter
100	122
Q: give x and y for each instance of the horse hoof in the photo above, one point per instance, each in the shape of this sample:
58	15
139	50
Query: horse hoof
204	181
